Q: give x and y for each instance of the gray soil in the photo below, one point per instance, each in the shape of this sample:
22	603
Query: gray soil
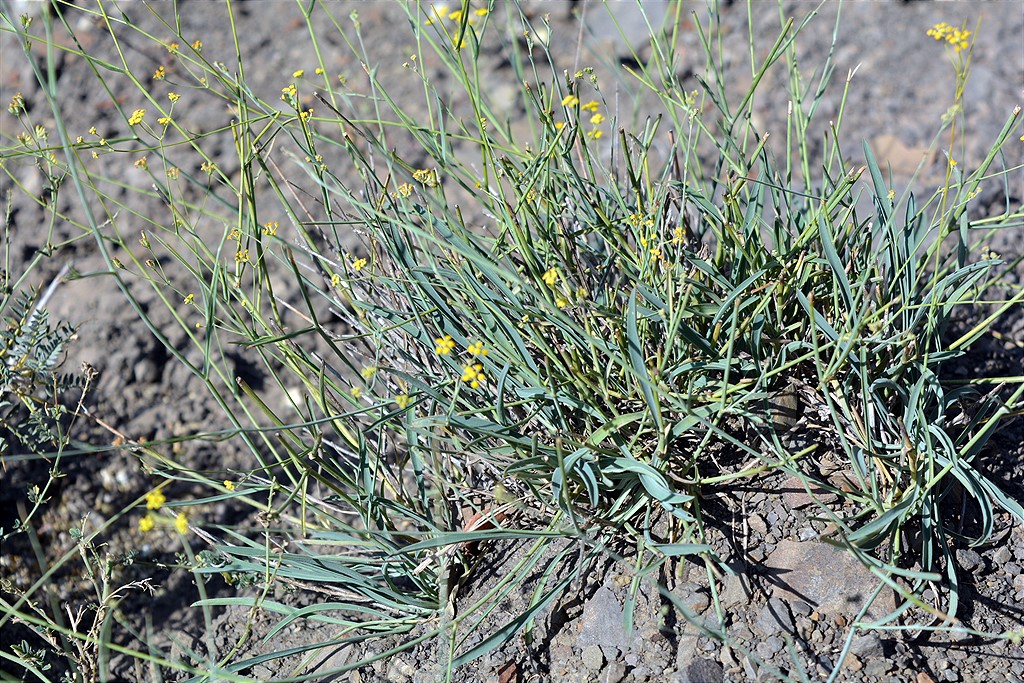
789	604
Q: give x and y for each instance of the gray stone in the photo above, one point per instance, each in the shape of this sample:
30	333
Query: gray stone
602	622
757	523
615	672
693	596
592	657
968	559
774	618
735	590
800	608
877	666
867	645
1001	556
704	671
829	579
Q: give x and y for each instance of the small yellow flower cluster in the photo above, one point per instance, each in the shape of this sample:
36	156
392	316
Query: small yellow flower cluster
957	37
596	119
290	94
442	11
242	256
160	73
473	375
142	163
550	277
358	264
136	117
426	176
270	228
17	105
403	400
155	499
444	345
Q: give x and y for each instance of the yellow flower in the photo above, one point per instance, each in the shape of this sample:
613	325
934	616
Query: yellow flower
595	134
155	499
473	374
444	345
172	48
356	392
550	277
181	523
142	162
596	119
160	73
146	524
190	299
270	228
358	264
242	256
591	106
164	120
456	15
477	349
173	96
335	279
197	46
298	74
561	301
136	117
403	400
368	372
229	485
319	71
570	101
482	12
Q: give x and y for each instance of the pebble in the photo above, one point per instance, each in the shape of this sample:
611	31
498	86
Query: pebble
1001	556
615	672
757	523
800	608
878	666
773	618
592	657
969	559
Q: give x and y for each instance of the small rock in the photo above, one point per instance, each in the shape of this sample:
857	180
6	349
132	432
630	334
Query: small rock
735	590
693	597
774	618
867	646
968	559
615	672
757	523
705	670
1001	556
852	664
800	608
602	622
592	657
878	666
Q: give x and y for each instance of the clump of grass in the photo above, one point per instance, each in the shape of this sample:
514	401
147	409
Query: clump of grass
568	337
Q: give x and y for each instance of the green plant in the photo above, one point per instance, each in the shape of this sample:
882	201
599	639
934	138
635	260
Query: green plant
627	329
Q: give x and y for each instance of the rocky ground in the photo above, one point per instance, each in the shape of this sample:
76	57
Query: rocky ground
790	604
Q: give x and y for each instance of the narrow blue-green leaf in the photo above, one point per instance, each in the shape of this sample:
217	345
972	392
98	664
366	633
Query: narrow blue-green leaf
638	362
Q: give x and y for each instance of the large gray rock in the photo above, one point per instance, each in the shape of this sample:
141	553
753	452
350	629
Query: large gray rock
828	579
